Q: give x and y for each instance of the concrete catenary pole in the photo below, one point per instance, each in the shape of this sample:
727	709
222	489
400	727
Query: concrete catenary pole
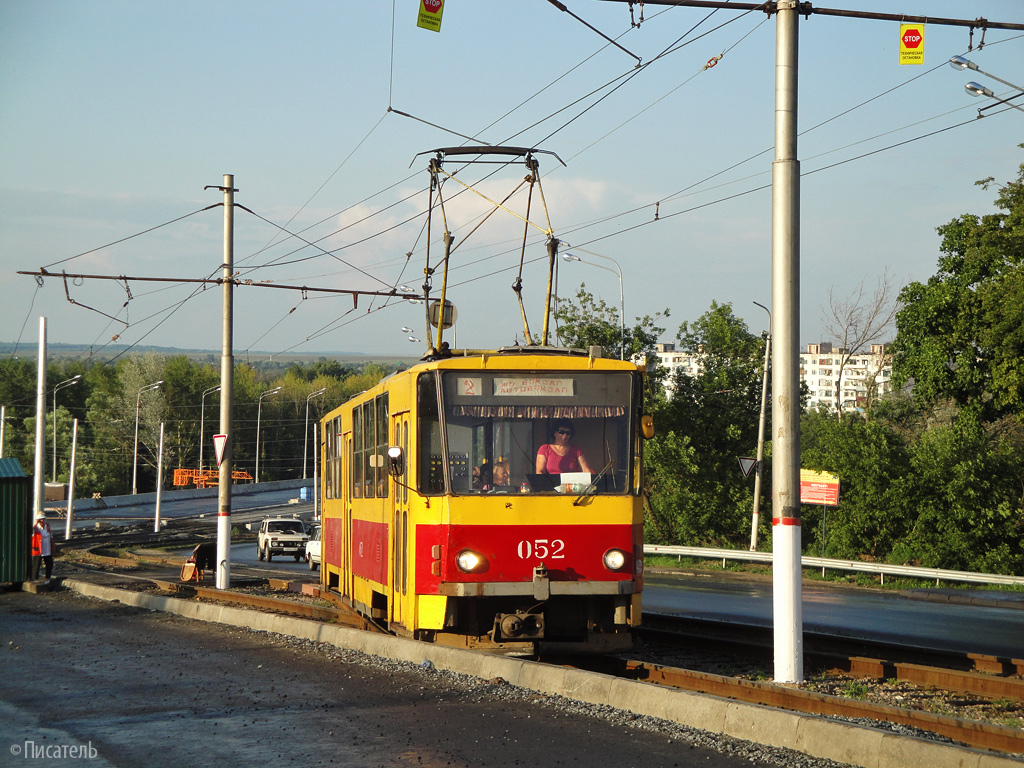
227	377
71	481
316	475
159	481
787	608
38	480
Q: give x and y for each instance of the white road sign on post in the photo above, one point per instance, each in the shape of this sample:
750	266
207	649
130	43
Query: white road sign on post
747	465
219	441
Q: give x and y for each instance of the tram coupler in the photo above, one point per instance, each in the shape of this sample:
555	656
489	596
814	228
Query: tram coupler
520	626
541	583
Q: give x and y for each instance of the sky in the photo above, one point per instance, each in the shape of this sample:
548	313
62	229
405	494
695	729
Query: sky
116	116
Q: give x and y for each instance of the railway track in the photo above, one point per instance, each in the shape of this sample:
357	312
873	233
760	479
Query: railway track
977	674
972	733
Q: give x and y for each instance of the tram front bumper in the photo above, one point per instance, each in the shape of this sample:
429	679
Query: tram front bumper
528	588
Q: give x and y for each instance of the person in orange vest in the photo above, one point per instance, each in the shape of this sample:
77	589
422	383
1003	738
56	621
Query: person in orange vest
42	546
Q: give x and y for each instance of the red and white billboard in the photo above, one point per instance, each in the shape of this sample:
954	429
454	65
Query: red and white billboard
819	488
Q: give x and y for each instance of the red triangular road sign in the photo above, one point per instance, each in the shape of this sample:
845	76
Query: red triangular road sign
219	442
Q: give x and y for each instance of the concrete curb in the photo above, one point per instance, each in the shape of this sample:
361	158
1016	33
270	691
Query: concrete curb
814	736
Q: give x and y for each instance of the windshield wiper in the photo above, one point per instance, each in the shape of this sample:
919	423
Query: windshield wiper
593	483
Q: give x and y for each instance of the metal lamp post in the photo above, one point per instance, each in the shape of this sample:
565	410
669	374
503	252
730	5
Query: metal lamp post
622	309
760	433
202	422
259	416
305	433
135	460
67	383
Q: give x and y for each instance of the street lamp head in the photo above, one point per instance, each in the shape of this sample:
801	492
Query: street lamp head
570	257
413	338
406	330
977	89
959	62
67	383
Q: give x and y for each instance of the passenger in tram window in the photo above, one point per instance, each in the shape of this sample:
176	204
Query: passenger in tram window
561	454
483	476
489	476
501	473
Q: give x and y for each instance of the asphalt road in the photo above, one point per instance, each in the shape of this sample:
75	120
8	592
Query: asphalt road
132	687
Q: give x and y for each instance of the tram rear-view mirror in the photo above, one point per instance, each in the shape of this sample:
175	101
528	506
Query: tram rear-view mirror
396	461
647	426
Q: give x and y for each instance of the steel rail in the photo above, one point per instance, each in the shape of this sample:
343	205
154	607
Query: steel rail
982	675
974	734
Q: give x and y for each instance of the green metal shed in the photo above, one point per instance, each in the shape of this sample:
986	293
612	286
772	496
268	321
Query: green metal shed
15	522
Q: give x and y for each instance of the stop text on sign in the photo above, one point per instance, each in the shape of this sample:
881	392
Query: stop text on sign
912	38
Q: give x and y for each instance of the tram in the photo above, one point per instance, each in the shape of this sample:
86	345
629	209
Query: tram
441	524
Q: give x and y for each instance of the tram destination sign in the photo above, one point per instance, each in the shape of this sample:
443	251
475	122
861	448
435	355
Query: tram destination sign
533	386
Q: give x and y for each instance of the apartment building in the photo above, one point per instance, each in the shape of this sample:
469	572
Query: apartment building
864	375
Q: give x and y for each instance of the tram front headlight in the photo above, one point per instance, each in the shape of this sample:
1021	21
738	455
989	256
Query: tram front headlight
469	561
614	559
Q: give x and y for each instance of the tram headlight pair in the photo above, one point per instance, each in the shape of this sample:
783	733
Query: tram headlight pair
469	561
614	559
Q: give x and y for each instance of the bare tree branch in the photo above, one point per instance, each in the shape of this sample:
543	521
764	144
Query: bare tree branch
858	321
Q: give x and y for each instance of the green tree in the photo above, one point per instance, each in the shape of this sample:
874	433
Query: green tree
967	499
875	502
960	335
588	321
18	396
710	420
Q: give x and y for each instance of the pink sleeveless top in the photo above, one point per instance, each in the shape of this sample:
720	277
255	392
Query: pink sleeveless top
555	464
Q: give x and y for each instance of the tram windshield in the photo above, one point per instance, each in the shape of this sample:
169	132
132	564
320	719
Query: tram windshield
557	432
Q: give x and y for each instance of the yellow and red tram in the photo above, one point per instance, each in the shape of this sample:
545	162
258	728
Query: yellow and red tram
438	525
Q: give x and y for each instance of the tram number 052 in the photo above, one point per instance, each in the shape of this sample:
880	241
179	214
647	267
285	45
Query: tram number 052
541	548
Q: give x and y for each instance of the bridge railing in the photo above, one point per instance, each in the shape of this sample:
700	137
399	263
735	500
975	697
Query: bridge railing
884	569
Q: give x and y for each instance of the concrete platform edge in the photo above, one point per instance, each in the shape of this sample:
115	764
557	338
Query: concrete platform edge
814	736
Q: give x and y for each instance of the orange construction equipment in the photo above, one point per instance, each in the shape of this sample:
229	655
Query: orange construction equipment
204	478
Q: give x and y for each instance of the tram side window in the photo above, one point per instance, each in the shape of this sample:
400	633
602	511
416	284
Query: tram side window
328	461
369	441
338	442
356	462
430	464
381	449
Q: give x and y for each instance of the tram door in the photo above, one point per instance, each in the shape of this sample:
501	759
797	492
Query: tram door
346	548
400	521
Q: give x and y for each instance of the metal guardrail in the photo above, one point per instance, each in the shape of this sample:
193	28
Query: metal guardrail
825	564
